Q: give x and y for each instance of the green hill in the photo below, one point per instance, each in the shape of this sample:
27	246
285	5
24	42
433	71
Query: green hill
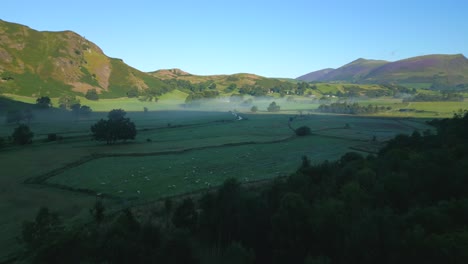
42	63
38	63
225	82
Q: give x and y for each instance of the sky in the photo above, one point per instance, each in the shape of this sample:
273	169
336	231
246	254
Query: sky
269	38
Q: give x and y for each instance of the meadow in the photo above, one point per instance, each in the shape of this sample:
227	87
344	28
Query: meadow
177	150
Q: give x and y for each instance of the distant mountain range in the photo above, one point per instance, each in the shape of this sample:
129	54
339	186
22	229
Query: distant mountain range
448	70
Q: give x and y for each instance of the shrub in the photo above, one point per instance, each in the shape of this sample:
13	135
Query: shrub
92	95
22	135
273	107
303	131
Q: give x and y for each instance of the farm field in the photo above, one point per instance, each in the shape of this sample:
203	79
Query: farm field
176	151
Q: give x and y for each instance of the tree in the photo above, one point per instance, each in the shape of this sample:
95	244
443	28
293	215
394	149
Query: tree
98	211
273	107
22	135
81	110
291	229
132	93
116	114
193	99
236	253
235	98
46	227
85	110
231	87
185	216
92	95
75	109
44	102
254	109
117	127
303	131
67	101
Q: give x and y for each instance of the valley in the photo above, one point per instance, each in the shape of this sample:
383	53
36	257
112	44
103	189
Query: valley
194	133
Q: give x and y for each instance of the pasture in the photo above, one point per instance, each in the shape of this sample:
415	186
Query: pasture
176	151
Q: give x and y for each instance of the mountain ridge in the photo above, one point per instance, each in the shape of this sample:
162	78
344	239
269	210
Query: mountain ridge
428	69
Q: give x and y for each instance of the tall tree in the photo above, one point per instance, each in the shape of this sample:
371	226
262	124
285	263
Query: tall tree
22	135
117	127
44	102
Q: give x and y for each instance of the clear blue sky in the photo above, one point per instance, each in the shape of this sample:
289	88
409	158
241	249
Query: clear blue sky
270	38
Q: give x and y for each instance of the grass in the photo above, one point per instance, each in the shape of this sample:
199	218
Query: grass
155	174
175	100
209	163
153	177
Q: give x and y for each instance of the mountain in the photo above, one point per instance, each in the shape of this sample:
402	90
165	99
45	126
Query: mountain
38	63
223	81
314	76
446	70
354	70
423	69
43	63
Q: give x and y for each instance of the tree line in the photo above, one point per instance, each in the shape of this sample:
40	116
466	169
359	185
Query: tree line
351	108
444	96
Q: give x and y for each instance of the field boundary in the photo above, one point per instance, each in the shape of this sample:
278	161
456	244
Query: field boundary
41	179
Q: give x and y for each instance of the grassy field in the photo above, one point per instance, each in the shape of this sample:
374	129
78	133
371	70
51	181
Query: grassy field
176	151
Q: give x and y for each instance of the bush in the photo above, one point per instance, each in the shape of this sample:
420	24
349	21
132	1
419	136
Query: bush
2	142
43	102
67	101
22	135
254	109
303	131
273	107
92	95
133	93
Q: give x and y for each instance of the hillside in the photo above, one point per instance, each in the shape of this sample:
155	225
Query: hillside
437	71
222	82
423	69
42	63
314	76
37	63
353	71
